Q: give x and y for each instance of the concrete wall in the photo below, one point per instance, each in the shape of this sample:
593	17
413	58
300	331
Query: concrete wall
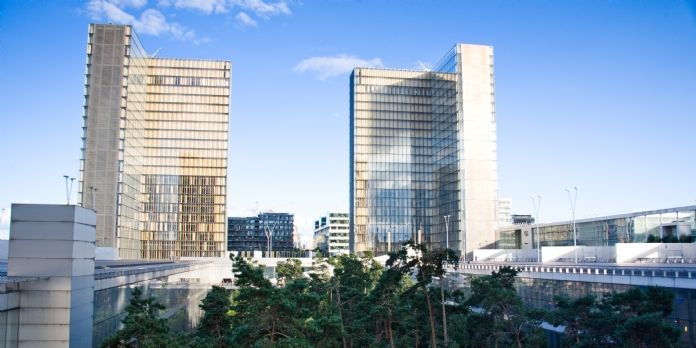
106	253
528	255
54	243
635	252
584	254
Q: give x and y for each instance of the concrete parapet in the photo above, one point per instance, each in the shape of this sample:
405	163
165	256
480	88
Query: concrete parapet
55	243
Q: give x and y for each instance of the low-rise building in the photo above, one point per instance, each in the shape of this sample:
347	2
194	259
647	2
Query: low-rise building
264	232
331	233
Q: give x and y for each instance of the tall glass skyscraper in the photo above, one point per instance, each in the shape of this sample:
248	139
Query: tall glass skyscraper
423	154
154	154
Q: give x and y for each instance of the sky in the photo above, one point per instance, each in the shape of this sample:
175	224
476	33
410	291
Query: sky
595	94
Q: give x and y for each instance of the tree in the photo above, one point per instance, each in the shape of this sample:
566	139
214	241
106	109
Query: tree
588	322
289	270
291	316
507	320
634	318
215	326
425	265
141	327
352	282
642	317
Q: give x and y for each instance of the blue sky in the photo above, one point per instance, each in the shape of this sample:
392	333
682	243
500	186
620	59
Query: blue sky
598	94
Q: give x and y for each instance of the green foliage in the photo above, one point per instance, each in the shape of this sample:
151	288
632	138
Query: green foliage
215	326
634	318
503	320
142	327
355	302
289	270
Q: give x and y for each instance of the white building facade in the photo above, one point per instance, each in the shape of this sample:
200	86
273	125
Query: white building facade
331	234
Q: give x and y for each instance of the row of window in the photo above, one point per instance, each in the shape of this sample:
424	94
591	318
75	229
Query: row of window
189	118
191	125
179	107
186	98
220	91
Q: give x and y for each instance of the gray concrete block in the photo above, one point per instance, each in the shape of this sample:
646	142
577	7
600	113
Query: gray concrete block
81	313
43	212
40	249
81	296
82	267
81	282
43	344
83	250
54	283
38	332
45	230
45	299
39	267
50	316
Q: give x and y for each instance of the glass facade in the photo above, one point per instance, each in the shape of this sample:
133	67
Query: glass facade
540	293
154	154
251	233
180	300
113	124
673	224
185	155
422	147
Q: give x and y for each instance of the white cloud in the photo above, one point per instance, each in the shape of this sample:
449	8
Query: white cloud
129	3
151	21
205	6
263	8
245	20
326	67
100	8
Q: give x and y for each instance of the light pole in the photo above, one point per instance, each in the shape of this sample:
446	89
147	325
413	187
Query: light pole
573	201
389	238
447	217
269	233
68	191
537	207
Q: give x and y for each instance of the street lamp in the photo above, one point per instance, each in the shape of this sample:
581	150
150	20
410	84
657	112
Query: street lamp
573	202
537	206
68	191
447	217
269	233
389	238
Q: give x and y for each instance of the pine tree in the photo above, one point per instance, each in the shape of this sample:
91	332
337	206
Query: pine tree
142	328
215	326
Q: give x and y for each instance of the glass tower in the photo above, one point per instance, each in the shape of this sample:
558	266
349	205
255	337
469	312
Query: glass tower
154	153
423	154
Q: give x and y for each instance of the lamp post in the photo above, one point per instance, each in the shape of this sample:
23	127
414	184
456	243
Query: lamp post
68	191
573	201
389	237
269	233
537	206
447	217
